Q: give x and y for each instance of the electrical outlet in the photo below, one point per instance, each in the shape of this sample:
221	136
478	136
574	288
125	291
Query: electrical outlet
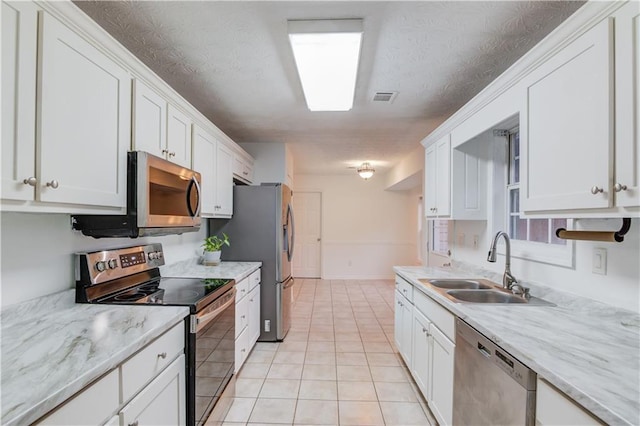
599	261
267	325
476	238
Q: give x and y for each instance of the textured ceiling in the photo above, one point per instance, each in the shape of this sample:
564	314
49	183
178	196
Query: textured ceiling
232	61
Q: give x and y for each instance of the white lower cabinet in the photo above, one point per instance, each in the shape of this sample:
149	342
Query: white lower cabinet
441	359
161	402
247	317
402	327
427	332
147	389
555	408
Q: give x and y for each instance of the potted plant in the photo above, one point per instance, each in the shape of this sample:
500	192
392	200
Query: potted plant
212	249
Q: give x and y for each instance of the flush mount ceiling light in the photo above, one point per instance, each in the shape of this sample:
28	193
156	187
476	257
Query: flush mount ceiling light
327	52
365	170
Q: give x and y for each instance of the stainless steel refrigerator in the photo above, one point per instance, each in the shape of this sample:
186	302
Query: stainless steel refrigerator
262	229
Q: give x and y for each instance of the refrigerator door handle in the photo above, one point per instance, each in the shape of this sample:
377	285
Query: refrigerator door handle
292	231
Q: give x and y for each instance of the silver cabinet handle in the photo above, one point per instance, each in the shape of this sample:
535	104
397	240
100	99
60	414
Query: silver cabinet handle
165	151
53	184
162	355
595	190
172	154
31	181
134	423
619	187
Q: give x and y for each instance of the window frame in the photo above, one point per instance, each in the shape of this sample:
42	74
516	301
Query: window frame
549	253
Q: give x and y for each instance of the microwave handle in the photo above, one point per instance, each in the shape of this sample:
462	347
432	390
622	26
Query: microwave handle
194	182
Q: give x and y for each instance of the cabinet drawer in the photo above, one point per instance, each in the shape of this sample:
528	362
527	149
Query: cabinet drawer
242	289
254	279
555	408
442	318
404	288
92	406
146	364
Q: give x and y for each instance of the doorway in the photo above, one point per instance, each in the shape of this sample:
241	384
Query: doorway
307	207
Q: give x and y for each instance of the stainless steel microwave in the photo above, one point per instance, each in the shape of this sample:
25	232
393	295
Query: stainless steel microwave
162	198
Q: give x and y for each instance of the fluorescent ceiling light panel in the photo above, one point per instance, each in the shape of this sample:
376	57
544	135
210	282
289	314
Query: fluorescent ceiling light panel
327	54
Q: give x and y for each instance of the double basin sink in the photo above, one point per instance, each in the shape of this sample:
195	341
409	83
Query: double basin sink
479	291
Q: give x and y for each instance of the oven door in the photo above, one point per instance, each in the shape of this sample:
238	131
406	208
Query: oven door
166	194
213	339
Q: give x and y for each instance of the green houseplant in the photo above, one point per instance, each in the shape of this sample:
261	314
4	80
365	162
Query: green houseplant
212	249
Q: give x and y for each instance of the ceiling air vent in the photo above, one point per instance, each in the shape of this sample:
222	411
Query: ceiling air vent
384	96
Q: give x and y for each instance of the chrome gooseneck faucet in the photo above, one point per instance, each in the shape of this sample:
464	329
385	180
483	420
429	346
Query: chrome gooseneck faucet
508	280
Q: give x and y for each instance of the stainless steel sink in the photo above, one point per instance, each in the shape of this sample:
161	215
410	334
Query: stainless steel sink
458	284
486	296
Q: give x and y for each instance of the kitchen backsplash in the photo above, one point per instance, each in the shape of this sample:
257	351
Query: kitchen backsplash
38	253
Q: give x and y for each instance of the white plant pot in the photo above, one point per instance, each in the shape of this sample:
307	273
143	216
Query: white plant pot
211	258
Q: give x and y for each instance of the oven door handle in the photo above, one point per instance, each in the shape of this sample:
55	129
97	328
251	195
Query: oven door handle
199	320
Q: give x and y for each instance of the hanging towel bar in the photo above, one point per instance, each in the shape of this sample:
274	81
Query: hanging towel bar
608	236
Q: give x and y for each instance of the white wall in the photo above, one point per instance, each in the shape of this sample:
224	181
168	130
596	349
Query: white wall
270	161
365	229
619	287
38	253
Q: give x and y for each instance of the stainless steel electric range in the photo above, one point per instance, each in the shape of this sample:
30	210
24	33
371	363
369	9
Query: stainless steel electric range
131	276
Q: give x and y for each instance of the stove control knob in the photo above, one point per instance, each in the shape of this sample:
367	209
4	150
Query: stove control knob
101	266
113	264
159	254
152	255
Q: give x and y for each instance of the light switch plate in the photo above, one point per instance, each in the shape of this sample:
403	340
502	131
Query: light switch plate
599	261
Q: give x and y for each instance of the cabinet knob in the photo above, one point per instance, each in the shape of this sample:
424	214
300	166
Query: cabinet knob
595	190
424	330
162	355
53	184
165	151
172	154
31	181
619	187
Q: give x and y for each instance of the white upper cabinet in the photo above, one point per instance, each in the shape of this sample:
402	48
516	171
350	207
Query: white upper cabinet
84	123
204	162
224	181
242	168
567	137
149	121
160	128
178	137
626	185
438	178
19	50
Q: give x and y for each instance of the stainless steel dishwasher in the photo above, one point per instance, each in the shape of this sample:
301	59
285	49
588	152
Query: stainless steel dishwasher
490	386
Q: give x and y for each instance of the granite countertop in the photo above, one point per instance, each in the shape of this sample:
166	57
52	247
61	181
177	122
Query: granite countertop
193	268
588	350
52	348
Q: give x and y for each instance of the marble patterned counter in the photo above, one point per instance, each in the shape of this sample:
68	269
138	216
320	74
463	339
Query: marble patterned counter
193	268
52	348
588	350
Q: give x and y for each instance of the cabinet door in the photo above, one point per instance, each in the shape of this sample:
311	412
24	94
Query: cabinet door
242	314
254	316
397	321
149	121
19	50
421	352
443	177
85	121
178	137
161	402
567	135
224	181
204	157
407	331
627	37
242	349
442	368
430	182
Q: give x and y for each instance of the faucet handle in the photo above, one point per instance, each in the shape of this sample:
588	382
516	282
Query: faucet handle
520	290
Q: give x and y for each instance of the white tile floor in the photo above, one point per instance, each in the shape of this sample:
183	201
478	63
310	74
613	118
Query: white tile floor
337	365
